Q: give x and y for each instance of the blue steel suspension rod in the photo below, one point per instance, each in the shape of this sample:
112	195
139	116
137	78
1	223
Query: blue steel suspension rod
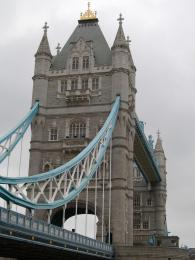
67	166
18	131
102	139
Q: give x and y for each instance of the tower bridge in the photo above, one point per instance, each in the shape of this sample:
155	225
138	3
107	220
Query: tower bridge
89	155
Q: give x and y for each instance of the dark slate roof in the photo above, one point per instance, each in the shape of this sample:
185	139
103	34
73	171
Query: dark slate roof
120	40
44	46
89	31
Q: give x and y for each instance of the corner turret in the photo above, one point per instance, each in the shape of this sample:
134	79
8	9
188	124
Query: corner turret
160	188
123	68
120	48
43	55
120	40
123	140
43	59
159	154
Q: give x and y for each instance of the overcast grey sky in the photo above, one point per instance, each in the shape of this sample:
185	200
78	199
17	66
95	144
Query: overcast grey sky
163	48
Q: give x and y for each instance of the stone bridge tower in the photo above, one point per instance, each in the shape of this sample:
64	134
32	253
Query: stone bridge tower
76	89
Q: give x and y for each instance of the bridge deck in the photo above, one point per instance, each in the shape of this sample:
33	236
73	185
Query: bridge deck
22	237
144	156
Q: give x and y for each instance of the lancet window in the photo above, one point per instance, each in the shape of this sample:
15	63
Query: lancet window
145	224
75	63
149	202
85	62
64	85
137	221
140	221
84	84
95	83
74	84
53	134
78	130
136	200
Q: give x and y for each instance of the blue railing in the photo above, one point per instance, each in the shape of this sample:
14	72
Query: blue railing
16	221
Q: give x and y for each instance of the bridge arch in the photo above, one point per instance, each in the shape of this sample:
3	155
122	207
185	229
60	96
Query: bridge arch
57	215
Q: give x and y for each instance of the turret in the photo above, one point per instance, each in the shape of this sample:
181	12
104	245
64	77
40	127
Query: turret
123	139
120	64
160	157
123	67
43	55
120	48
43	59
160	189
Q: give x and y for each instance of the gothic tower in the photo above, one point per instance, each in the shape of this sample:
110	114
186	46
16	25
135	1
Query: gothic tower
123	78
160	189
149	201
76	89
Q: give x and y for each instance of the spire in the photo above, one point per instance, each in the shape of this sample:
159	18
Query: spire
120	40
158	146
44	45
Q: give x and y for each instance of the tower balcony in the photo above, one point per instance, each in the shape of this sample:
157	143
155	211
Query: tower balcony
78	95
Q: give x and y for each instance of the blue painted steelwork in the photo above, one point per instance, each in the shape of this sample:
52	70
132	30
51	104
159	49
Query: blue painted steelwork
151	142
6	142
140	132
152	240
24	225
141	171
104	134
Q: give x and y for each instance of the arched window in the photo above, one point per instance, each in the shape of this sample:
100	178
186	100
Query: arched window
84	84
53	134
95	83
83	130
137	220
149	202
64	85
74	84
75	63
85	62
78	130
136	200
145	224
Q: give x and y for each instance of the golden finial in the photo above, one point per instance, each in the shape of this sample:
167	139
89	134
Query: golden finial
89	14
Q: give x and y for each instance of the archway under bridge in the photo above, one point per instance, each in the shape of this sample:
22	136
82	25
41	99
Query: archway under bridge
76	218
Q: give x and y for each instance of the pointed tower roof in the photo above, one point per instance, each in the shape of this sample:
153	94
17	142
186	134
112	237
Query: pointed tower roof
120	40
158	146
44	44
89	30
